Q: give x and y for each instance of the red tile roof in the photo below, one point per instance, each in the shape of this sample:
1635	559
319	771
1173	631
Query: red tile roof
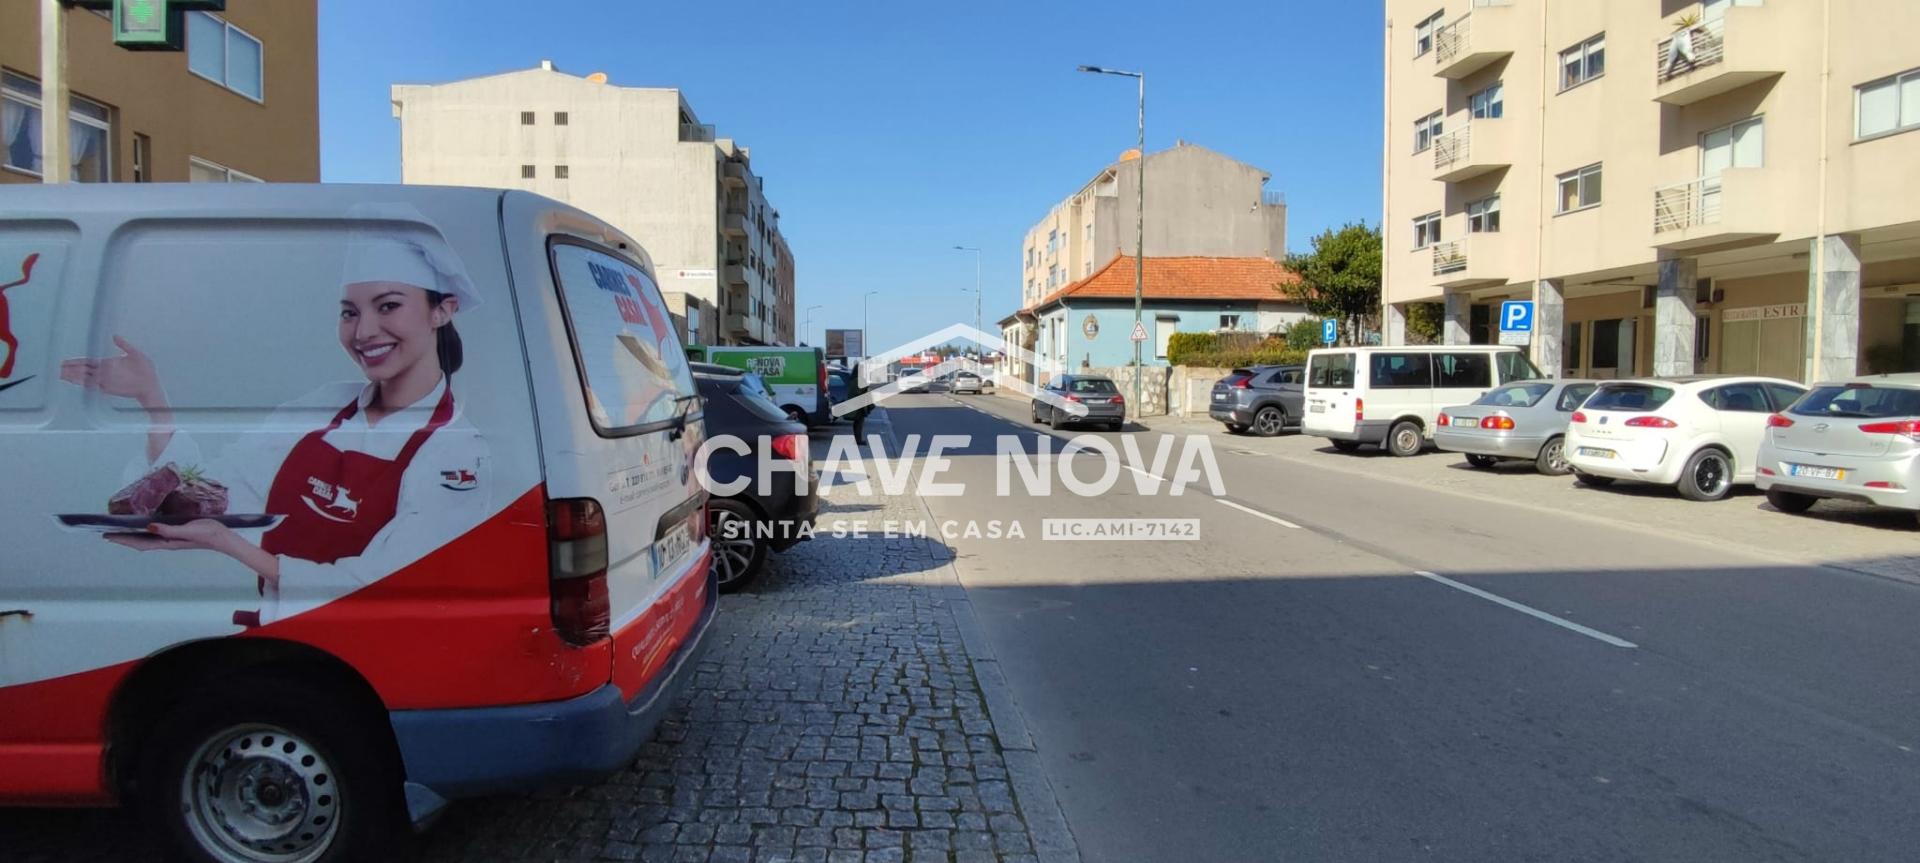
1182	278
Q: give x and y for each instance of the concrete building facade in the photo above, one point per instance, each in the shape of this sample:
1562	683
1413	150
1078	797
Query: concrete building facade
1680	187
638	157
241	103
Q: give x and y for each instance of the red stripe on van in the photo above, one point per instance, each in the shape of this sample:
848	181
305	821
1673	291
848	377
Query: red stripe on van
643	647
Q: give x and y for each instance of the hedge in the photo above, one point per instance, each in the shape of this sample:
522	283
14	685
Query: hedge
1227	350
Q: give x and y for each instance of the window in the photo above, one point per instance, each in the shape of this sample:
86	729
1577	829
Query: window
559	172
1784	396
624	377
1330	370
1888	105
1101	386
559	118
526	118
1483	216
1423	34
1229	322
1089	235
225	55
1514	366
1580	189
1488	104
1702	337
89	138
1426	129
1466	370
1573	396
1426	230
1583	62
1402	371
1738	398
1858	402
202	171
1163	329
1741	145
1606	344
1573	360
142	158
526	172
1053	243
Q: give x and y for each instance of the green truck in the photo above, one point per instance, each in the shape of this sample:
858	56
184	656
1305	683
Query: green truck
797	376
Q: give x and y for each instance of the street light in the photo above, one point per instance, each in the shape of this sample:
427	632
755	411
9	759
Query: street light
1140	220
808	326
865	349
976	283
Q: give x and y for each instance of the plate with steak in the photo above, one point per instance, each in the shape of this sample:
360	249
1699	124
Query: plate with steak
169	494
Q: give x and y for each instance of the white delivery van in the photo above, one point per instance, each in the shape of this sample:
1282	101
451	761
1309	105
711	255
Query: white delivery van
328	504
1389	396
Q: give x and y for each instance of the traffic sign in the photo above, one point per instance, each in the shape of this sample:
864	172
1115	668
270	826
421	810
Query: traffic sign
1329	330
1516	316
1139	331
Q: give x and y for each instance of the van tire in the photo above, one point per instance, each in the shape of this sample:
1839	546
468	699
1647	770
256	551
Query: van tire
739	561
1347	445
350	784
1405	439
1708	475
1790	502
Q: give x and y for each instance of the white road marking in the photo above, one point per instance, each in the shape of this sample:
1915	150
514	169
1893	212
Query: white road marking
1527	610
1256	513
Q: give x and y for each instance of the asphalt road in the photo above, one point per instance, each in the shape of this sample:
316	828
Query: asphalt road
1346	669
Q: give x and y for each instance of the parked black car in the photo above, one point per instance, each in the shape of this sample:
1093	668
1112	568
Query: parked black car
1265	400
746	526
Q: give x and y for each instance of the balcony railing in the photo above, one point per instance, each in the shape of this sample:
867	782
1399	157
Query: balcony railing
696	132
1686	205
1450	257
1699	47
1452	147
1453	39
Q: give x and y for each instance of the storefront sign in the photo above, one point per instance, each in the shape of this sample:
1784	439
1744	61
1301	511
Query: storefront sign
1765	313
694	274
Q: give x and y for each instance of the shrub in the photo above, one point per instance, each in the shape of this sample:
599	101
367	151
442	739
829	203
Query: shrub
1304	334
1254	351
1180	345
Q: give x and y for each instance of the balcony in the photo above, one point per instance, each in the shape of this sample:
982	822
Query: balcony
733	174
1736	208
734	224
1719	55
1471	150
1455	266
696	132
736	273
1475	40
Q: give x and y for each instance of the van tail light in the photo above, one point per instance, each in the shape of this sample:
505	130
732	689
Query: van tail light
822	368
1359	409
1904	428
1497	423
577	569
1580	416
792	447
1444	421
1651	423
1117	400
1779	421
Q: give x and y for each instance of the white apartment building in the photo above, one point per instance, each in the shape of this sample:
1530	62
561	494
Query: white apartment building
1721	186
638	157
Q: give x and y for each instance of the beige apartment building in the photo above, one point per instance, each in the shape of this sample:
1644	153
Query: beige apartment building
638	157
1730	186
241	103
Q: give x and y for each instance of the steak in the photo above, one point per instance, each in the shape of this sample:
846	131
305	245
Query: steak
196	497
147	493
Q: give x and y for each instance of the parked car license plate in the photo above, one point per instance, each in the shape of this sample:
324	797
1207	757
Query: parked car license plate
1219	397
1317	408
1596	452
672	548
1811	471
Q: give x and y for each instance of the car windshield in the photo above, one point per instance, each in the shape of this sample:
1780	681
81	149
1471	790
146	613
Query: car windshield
1091	385
1628	398
1857	401
1516	396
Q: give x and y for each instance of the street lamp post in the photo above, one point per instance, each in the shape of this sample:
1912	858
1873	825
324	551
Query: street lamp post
976	284
865	349
1139	224
806	329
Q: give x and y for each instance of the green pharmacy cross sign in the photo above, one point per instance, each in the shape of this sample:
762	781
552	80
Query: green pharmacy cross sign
150	25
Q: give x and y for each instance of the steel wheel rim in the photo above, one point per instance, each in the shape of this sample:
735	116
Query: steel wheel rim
258	794
1268	421
1556	457
1711	474
1405	440
732	552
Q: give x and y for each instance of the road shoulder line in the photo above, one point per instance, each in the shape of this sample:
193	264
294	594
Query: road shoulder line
1528	610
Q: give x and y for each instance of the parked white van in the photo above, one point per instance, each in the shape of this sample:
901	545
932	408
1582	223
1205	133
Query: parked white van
1389	396
329	504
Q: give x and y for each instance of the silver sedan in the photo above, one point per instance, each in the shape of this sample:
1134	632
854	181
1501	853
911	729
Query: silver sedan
1525	420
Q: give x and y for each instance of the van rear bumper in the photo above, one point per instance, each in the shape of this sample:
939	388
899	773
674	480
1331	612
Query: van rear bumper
1365	431
468	752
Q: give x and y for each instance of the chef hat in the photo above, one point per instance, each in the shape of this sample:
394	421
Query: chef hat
395	256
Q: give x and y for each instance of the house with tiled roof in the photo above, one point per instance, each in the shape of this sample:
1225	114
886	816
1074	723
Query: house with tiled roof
1089	323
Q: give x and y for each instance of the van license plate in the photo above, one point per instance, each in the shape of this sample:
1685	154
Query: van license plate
673	548
1316	408
1813	472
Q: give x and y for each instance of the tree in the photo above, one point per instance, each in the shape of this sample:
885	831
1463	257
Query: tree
1423	322
1340	278
1303	334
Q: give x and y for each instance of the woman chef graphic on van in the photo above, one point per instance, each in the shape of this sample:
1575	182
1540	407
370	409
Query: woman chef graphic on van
395	473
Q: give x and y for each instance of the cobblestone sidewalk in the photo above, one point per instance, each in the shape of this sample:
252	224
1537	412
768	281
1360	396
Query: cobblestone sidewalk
835	717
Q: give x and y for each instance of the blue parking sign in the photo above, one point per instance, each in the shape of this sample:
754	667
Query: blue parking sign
1516	316
1329	330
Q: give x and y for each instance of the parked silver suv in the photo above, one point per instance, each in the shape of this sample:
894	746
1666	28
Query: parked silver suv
1856	440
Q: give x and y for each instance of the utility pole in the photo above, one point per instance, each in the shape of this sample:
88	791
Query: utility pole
56	160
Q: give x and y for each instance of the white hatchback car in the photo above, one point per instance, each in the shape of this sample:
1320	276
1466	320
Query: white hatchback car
1701	434
1857	440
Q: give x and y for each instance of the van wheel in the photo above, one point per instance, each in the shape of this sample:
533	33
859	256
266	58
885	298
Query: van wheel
1592	481
1790	502
1269	421
1347	445
1708	476
1481	461
738	556
796	415
1552	460
258	769
1405	439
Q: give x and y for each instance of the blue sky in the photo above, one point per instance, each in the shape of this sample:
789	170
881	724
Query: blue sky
889	132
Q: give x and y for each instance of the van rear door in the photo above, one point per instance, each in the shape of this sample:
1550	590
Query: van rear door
619	426
1330	392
